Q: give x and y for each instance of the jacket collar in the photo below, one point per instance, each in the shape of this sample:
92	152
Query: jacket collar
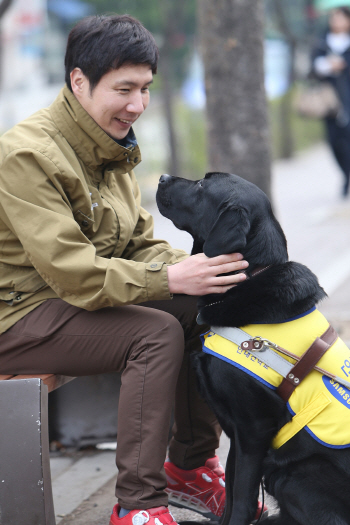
89	141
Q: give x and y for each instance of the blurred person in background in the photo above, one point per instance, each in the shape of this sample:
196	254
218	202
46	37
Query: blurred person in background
331	62
86	289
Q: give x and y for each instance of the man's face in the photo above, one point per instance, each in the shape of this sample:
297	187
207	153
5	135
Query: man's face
119	98
339	22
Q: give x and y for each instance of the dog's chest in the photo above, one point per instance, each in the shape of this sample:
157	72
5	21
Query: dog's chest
331	426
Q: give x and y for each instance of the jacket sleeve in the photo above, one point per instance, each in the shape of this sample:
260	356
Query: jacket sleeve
36	209
320	65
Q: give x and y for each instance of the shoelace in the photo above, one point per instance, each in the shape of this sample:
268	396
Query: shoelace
143	517
209	479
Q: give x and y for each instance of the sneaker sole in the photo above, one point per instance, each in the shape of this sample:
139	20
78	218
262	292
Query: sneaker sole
185	501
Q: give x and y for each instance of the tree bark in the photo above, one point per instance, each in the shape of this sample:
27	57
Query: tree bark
286	142
232	46
166	73
4	5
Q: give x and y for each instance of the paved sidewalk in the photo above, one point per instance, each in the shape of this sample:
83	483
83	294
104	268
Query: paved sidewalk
316	221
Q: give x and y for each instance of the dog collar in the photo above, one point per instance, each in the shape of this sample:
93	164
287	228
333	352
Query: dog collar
255	272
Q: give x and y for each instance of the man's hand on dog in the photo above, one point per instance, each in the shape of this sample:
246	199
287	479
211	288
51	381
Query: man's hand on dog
202	275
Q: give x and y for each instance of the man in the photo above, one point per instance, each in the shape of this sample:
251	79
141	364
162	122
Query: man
86	289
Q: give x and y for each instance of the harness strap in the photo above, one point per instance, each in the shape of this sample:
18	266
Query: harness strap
283	367
301	419
307	362
293	374
269	357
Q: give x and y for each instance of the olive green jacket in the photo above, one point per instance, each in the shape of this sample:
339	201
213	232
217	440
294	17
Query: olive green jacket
71	222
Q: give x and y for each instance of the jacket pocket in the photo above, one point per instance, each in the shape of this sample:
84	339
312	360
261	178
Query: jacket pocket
84	222
17	283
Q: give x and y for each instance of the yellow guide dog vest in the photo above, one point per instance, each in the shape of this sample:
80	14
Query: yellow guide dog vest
319	404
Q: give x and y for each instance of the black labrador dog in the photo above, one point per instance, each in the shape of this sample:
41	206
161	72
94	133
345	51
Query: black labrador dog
310	481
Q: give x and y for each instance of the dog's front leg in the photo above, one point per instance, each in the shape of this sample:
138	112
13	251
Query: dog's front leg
243	474
229	482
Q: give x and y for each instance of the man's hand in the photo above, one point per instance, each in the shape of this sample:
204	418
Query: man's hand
200	275
337	63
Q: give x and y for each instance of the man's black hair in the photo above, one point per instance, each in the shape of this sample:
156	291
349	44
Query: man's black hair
98	44
345	10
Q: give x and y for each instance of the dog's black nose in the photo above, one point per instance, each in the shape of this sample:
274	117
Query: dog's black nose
164	178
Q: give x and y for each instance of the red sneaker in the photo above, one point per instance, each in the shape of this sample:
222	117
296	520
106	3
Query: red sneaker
201	490
154	516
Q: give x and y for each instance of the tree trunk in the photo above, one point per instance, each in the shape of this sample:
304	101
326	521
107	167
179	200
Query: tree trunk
166	73
232	44
4	5
168	108
286	142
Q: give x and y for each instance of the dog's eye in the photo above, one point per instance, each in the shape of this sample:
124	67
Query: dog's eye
200	183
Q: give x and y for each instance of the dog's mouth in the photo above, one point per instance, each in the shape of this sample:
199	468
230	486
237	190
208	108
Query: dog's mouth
163	201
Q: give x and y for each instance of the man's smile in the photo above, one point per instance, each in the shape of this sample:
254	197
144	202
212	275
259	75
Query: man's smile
129	122
125	121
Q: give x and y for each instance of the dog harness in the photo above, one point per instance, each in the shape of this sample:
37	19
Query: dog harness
319	404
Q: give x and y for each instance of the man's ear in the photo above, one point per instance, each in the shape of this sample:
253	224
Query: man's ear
77	80
229	232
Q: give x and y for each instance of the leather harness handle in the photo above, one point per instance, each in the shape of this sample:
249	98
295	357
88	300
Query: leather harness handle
307	362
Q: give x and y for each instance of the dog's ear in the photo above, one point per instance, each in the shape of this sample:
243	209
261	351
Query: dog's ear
229	232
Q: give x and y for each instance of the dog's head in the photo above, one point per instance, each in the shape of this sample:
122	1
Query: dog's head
224	214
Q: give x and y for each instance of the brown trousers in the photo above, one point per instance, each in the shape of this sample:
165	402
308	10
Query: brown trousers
151	350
